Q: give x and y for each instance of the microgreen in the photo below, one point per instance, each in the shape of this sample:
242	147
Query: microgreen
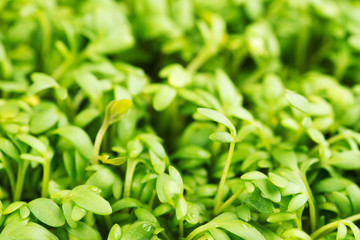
183	119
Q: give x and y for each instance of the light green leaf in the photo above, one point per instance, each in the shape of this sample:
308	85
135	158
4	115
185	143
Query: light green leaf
342	201
77	213
175	176
67	208
242	113
47	212
33	142
84	231
223	137
355	229
112	161
90	201
253	175
217	117
347	160
261	204
115	232
8	148
126	203
41	81
145	215
32	157
191	152
278	180
157	163
89	84
192	215
297	101
162	209
281	217
297	202
24	211
316	135
163	98
13	207
353	192
229	94
268	189
116	110
218	234
341	231
78	138
181	208
32	231
141	230
243	212
161	181
44	118
242	229
295	233
86	116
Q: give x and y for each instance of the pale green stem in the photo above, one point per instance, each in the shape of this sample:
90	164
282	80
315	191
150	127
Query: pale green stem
228	202
9	172
199	60
46	31
298	219
311	201
181	227
46	179
20	180
130	168
108	221
223	177
98	140
331	226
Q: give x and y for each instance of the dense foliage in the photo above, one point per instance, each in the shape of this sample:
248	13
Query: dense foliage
179	119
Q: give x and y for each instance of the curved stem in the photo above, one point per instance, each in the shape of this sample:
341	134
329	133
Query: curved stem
331	226
98	140
311	201
199	60
228	202
197	231
9	172
223	177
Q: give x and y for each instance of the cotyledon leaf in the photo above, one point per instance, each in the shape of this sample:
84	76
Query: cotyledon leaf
47	212
78	138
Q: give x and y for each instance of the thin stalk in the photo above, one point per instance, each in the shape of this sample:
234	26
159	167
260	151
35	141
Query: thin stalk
196	231
228	202
331	226
20	180
130	169
98	140
9	172
298	219
311	201
108	221
223	177
199	60
181	228
46	31
46	179
264	140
